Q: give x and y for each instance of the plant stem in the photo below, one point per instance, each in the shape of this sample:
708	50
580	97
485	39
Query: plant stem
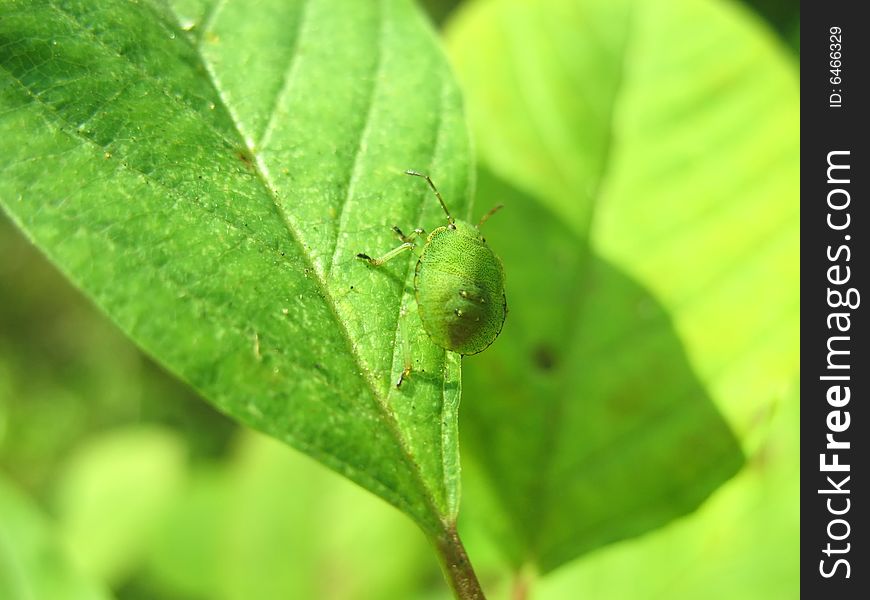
521	588
457	568
523	582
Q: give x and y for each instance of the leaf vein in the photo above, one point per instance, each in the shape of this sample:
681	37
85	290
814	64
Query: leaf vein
287	77
353	176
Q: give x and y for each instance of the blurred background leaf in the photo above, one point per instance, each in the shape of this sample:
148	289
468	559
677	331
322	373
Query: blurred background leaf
588	422
783	16
272	524
743	543
33	562
114	490
654	290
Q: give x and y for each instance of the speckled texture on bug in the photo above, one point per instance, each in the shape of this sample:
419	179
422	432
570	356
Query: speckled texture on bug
459	284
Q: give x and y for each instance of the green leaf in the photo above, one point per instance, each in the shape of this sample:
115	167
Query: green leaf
33	564
207	177
654	287
66	371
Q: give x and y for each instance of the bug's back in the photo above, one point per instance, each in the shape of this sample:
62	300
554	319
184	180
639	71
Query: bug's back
459	284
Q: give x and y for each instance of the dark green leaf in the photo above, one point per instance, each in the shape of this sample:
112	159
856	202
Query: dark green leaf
587	417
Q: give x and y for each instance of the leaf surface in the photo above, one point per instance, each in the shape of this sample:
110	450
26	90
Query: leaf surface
207	172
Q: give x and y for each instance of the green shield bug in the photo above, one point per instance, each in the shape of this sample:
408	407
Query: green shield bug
458	283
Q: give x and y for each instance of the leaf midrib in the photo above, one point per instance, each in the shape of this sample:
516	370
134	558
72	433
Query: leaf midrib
261	173
265	136
361	139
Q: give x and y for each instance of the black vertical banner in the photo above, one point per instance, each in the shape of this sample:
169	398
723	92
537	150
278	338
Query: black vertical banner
835	481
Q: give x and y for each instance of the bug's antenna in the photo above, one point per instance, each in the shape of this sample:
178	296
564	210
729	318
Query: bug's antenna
486	217
434	189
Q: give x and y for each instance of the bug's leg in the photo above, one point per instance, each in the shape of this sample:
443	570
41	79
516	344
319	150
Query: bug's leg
408	238
405	372
406	347
376	262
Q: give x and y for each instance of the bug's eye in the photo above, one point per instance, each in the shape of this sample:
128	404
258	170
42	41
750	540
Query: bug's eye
451	226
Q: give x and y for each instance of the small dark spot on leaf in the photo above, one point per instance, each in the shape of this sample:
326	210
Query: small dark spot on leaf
246	158
544	358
